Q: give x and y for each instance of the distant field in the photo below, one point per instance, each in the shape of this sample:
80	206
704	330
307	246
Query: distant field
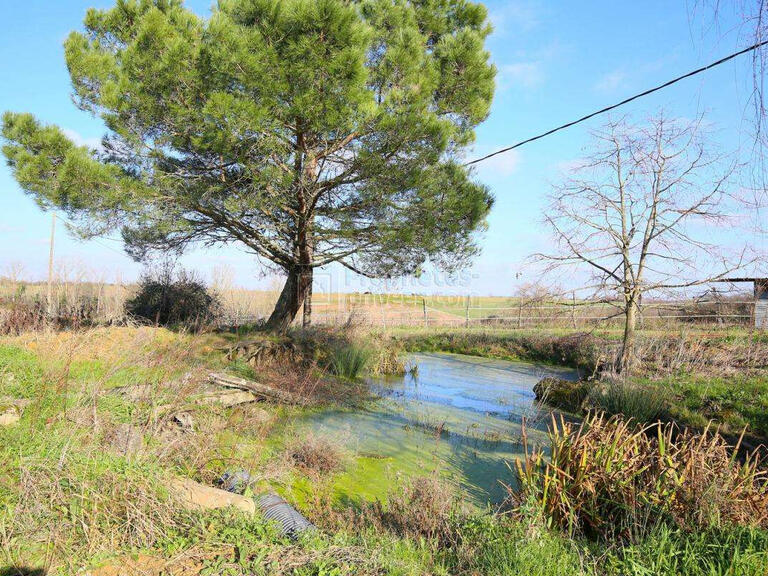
243	306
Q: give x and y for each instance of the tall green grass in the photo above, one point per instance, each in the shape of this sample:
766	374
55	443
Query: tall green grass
349	360
731	551
643	404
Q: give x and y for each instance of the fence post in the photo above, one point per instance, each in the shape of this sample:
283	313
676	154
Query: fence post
382	311
466	313
424	309
573	309
520	312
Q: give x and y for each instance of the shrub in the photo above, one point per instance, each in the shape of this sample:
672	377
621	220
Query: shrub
174	299
422	507
348	359
563	394
641	404
22	316
316	454
610	478
25	315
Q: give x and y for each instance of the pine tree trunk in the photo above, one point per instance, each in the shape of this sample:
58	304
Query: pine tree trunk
627	358
291	299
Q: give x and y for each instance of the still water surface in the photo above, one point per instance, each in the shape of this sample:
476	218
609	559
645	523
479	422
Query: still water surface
458	416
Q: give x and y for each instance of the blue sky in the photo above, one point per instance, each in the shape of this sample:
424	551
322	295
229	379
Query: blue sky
557	60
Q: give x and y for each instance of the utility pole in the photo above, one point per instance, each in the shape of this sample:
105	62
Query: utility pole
50	266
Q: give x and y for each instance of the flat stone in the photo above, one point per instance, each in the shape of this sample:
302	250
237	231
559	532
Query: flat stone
11	409
129	565
135	392
128	439
229	398
146	565
9	416
196	496
259	416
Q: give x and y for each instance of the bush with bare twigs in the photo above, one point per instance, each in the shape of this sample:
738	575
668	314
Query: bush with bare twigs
316	454
168	297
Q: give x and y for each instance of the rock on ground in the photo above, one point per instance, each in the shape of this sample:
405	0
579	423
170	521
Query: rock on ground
196	496
11	410
128	439
229	398
146	565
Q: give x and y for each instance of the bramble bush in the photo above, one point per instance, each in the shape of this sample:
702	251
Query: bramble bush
174	299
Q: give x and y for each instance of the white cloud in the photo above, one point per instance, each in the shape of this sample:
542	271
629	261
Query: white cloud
568	166
80	140
501	165
525	74
514	17
610	82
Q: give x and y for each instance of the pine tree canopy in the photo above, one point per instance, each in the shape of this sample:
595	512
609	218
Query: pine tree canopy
307	131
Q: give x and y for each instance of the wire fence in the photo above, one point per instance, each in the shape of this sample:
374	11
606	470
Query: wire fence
105	304
520	313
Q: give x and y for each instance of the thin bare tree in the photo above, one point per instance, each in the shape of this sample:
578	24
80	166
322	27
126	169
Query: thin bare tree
751	17
639	215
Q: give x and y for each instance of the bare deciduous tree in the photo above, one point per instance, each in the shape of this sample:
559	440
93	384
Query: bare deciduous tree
639	214
752	28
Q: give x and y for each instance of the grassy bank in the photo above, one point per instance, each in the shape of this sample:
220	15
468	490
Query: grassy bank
85	474
699	377
565	349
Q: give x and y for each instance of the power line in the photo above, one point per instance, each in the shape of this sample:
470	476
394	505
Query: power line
628	100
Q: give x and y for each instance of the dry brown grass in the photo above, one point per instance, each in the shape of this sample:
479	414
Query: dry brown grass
67	509
85	471
316	455
423	507
695	352
609	477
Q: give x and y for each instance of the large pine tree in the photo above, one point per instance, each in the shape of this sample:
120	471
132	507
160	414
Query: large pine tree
309	131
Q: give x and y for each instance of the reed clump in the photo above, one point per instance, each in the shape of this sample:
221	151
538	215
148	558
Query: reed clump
348	359
610	478
621	397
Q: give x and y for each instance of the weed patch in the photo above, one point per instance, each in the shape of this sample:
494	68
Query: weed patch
316	455
611	479
643	404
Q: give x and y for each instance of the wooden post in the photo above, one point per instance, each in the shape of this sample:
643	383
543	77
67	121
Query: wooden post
573	309
306	319
466	313
50	266
424	309
520	313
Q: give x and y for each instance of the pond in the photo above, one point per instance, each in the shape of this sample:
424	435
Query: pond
458	416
